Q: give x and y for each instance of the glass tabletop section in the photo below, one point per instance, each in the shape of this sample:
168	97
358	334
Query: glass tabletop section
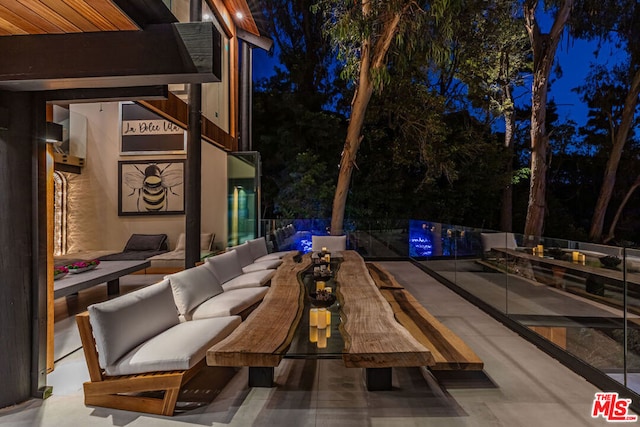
317	335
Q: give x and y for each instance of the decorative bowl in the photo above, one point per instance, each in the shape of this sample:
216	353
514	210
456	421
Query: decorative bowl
331	299
610	261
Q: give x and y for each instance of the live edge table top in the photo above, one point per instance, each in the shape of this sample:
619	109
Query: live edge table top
371	336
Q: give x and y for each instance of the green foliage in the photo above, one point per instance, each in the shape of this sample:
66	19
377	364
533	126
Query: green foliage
307	189
423	27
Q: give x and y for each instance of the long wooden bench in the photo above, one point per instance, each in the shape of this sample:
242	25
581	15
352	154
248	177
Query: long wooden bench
449	351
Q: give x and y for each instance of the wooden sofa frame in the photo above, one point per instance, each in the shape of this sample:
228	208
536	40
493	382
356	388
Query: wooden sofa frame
109	391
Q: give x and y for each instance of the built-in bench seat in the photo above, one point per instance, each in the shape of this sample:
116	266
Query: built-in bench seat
449	351
136	343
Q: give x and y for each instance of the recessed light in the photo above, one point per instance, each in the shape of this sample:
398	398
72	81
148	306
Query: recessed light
239	15
206	17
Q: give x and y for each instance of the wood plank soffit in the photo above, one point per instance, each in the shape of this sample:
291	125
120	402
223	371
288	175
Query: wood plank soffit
176	110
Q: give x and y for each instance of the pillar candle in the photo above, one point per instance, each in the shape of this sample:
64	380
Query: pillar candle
322	339
322	318
328	331
328	289
319	285
575	256
313	334
328	315
540	250
324	249
313	317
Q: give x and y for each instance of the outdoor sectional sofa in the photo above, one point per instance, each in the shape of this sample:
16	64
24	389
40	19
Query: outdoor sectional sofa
155	338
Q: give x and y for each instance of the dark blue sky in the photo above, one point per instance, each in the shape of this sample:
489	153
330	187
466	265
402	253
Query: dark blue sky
574	58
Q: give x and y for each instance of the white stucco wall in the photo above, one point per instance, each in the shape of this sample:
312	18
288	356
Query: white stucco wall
93	221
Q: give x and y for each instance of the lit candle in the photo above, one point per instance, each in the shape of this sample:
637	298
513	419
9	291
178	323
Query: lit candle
322	318
328	289
327	258
324	249
575	256
313	334
583	259
540	250
328	318
313	317
328	331
319	285
322	339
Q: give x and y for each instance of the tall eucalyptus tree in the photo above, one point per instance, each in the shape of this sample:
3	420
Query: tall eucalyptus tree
370	36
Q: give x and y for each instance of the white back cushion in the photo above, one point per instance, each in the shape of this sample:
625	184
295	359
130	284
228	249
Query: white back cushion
193	286
125	322
498	240
225	266
258	247
332	243
244	254
205	242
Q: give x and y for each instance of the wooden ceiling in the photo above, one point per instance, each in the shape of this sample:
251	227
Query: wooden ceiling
22	17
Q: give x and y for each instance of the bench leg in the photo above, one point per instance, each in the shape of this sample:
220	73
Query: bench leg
378	379
113	287
260	376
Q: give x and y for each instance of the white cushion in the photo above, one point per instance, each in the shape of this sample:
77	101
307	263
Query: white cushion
244	254
225	266
193	286
332	243
125	322
177	348
262	265
249	280
273	255
258	247
498	240
229	303
205	242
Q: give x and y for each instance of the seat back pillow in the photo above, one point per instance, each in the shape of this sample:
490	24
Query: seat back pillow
206	241
225	266
332	243
193	286
497	240
146	242
127	321
258	247
244	254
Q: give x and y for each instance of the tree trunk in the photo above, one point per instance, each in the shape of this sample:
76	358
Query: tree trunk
371	58
620	139
544	50
506	211
614	223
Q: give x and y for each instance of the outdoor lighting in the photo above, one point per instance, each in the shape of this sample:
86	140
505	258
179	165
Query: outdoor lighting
239	15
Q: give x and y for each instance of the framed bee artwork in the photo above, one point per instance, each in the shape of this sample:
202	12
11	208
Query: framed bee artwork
150	187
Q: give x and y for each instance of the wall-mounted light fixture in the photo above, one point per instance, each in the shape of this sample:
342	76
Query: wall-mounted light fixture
54	132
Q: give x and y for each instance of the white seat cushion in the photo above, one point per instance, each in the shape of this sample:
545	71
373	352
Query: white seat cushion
273	255
225	266
332	243
125	322
177	348
249	280
229	303
262	265
193	286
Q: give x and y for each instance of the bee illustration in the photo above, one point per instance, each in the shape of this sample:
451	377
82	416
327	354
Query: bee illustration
152	186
